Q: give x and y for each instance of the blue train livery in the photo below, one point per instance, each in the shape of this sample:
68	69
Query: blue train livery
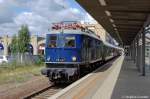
69	52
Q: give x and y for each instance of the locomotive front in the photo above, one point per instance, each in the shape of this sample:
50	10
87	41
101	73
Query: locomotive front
62	57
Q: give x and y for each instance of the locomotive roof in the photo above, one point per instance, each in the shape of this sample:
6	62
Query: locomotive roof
86	32
111	45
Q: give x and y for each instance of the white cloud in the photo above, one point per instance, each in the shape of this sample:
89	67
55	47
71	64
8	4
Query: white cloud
90	19
37	24
8	28
1	1
75	10
39	16
29	18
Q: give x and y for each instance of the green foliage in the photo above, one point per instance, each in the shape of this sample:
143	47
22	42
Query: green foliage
19	74
21	44
13	45
23	39
40	60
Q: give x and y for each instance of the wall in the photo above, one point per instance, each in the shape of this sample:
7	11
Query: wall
6	41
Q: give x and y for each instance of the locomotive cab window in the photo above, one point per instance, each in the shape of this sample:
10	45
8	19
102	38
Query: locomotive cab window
70	41
52	41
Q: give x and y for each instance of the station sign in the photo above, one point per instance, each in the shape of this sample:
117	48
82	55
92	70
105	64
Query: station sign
68	26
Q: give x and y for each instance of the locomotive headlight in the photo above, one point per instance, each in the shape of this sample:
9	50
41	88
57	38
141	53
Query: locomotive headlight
48	59
74	58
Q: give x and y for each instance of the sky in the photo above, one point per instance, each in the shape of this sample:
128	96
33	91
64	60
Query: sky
38	15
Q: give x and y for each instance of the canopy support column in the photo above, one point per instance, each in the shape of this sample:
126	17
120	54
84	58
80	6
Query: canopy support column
138	53
143	53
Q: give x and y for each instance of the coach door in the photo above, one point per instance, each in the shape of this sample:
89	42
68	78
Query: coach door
84	50
88	50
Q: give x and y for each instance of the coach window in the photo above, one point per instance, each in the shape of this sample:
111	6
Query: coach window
70	41
52	42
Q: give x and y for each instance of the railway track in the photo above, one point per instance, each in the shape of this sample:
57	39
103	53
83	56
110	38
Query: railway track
46	92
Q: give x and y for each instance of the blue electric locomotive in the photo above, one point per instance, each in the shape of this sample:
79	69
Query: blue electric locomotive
69	52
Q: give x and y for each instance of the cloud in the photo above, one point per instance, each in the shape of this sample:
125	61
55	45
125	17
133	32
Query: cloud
8	28
1	1
36	23
37	14
90	19
6	12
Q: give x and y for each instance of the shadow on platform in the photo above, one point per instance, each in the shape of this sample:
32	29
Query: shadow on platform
130	83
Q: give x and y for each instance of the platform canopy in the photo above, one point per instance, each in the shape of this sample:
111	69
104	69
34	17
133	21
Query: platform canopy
123	19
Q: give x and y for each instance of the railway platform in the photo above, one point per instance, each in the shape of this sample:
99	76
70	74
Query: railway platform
118	79
131	84
96	85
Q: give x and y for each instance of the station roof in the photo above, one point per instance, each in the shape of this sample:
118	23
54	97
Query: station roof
123	19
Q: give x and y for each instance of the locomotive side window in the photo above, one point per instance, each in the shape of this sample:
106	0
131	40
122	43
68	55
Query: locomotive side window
52	41
70	41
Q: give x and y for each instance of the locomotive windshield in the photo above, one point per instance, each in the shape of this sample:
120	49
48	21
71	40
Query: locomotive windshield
53	40
70	41
60	41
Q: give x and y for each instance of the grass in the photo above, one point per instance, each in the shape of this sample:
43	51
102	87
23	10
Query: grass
19	74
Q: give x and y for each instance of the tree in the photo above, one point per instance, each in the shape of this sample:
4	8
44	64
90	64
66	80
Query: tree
13	45
23	39
20	44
